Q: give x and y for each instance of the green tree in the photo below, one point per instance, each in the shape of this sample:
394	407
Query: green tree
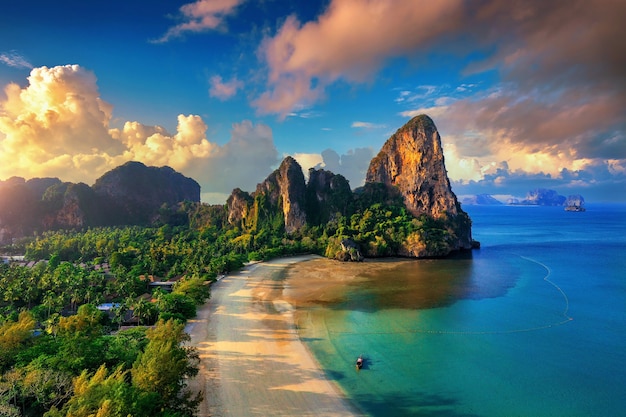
193	287
145	311
99	395
164	366
14	335
176	305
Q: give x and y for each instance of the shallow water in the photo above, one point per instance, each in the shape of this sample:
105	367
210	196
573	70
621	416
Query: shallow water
532	324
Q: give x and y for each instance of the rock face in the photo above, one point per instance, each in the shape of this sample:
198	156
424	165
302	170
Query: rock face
327	195
238	204
283	191
130	194
285	188
134	192
69	206
412	162
575	202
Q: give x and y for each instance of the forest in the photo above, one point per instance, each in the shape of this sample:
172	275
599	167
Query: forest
62	354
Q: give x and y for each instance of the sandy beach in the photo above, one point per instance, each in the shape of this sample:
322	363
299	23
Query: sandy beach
252	360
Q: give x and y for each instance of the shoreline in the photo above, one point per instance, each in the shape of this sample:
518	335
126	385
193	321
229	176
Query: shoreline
252	360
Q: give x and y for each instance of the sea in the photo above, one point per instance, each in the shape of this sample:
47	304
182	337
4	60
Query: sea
531	324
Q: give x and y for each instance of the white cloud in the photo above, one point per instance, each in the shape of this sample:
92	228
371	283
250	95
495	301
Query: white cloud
367	125
308	160
433	112
13	59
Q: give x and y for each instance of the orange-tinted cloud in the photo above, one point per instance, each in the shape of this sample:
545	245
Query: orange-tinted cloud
224	90
58	126
200	16
350	41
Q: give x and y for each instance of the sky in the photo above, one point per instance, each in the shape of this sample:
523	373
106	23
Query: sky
525	94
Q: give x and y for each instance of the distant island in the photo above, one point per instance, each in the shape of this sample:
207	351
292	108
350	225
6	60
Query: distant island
537	197
482	200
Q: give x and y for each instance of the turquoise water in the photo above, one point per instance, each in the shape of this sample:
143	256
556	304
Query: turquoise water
532	324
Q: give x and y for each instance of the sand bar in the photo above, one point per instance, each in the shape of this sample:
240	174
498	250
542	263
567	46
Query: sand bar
252	361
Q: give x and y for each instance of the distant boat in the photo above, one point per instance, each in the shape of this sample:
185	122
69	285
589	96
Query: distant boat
359	362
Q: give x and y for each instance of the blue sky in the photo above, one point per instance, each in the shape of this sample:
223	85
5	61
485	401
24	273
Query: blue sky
524	94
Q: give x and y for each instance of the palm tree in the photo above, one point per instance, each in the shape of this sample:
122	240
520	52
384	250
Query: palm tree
144	310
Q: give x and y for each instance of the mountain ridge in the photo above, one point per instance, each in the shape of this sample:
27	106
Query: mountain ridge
406	188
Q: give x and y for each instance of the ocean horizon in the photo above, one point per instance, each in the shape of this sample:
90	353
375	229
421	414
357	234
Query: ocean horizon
531	324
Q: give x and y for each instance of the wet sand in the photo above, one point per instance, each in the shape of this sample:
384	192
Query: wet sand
252	360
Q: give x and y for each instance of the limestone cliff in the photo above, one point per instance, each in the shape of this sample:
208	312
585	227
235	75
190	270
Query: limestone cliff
278	201
130	194
327	195
133	192
285	189
412	162
69	206
239	204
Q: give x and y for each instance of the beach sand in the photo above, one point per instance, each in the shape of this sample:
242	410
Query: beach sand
252	360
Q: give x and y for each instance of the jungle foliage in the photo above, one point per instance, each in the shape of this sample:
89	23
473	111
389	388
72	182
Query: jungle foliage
62	356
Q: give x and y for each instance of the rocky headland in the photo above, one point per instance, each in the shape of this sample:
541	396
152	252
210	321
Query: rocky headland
406	207
409	171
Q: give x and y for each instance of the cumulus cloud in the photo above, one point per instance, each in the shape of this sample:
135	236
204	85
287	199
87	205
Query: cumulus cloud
244	161
352	165
308	160
200	16
224	90
58	126
13	59
57	121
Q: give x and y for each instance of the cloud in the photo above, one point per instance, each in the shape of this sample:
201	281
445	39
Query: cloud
367	125
531	134
58	120
558	104
596	183
200	16
351	41
13	59
58	126
224	90
308	160
352	165
432	112
560	66
306	114
245	160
